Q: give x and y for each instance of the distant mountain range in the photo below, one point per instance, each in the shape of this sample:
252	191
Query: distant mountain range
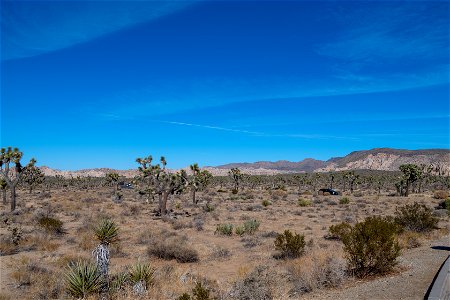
386	159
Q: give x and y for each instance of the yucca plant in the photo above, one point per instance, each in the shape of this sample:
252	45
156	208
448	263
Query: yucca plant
107	233
119	281
141	277
83	279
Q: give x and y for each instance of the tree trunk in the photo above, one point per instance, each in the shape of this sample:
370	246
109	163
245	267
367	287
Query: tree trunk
30	190
163	203
4	196
193	196
13	197
407	189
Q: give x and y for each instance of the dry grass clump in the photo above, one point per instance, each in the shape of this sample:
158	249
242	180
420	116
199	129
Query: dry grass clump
259	284
317	269
440	194
172	248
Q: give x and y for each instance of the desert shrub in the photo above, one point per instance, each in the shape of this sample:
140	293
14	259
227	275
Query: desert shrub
118	282
317	269
371	246
141	274
415	217
440	194
251	226
290	245
409	239
358	194
83	279
255	285
208	207
335	232
224	229
251	241
266	203
344	200
172	248
198	224
239	230
220	253
51	225
304	202
199	292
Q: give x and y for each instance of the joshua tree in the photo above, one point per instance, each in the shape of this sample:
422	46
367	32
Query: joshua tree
160	182
411	173
3	186
12	177
32	176
236	176
352	178
332	175
107	233
198	181
113	178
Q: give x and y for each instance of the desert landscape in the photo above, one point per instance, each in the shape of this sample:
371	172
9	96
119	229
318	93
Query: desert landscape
224	243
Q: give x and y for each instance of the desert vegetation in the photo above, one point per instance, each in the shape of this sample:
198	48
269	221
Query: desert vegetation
191	235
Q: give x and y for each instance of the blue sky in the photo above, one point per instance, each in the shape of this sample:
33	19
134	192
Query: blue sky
98	83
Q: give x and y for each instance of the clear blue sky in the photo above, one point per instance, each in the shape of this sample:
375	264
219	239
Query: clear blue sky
97	84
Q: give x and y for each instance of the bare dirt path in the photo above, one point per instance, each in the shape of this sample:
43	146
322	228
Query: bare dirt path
422	265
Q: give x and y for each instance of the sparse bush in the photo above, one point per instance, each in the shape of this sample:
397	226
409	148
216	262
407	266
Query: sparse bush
256	285
51	225
415	217
304	202
409	239
172	248
344	200
336	232
371	246
251	226
208	207
317	269
198	224
440	194
224	229
220	253
83	279
290	245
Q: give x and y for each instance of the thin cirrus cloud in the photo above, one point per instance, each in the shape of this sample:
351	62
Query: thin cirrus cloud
395	33
30	28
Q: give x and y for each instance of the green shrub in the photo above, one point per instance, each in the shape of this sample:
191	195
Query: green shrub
83	279
290	245
371	246
239	230
304	202
251	226
447	205
344	200
225	229
336	232
106	231
198	293
415	217
51	225
141	272
266	203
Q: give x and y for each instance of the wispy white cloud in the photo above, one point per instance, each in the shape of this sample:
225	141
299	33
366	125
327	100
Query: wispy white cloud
30	28
261	134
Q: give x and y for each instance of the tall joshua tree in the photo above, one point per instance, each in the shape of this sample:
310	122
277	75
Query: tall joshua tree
199	180
113	178
160	182
32	176
237	177
12	176
411	173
